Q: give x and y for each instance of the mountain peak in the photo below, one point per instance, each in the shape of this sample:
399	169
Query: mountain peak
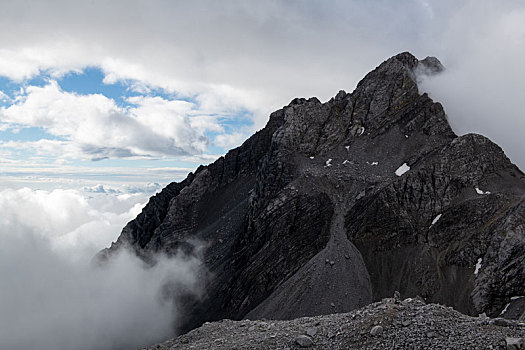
333	205
410	62
406	58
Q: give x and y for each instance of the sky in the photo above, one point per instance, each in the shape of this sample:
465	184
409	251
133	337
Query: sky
102	103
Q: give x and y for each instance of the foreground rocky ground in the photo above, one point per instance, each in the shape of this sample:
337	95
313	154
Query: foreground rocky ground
388	324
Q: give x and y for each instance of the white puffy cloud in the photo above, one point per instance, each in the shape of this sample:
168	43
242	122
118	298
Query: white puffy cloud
4	97
93	126
53	298
65	215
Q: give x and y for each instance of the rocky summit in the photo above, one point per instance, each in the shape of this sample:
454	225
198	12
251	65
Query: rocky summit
332	206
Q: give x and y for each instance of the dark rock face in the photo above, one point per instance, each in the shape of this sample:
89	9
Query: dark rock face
333	205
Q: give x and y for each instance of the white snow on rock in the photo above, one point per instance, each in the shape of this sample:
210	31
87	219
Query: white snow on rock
511	299
406	136
312	157
478	266
362	131
478	191
346	161
505	309
436	219
374	163
329	162
347	148
402	169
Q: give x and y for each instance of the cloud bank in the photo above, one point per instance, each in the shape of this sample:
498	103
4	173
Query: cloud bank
53	298
483	86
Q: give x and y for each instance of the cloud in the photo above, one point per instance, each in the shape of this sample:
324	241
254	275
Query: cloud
483	85
4	97
51	303
52	297
131	189
93	126
61	213
228	141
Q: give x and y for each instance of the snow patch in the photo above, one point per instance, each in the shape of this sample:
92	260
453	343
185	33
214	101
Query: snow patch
362	131
402	169
478	191
406	136
436	219
505	309
347	148
478	266
517	297
374	163
346	161
329	162
312	157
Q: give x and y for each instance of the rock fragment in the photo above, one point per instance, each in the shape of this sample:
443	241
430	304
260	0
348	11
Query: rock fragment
515	343
311	331
503	322
376	330
304	341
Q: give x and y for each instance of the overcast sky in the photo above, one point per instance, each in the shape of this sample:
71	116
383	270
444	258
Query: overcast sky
104	102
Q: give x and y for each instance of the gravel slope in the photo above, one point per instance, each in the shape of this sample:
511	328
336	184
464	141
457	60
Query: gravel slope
388	324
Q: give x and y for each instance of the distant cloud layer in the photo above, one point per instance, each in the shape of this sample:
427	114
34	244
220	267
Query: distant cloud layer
68	218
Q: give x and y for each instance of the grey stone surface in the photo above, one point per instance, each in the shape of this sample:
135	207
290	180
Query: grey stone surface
311	331
376	330
433	327
304	341
515	343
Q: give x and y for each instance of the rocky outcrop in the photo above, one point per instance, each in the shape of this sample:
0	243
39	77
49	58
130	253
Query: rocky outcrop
388	324
333	205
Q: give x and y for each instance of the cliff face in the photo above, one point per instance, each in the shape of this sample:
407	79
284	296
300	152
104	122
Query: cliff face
333	205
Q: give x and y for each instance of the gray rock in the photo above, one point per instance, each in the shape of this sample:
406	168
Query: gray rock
352	331
376	330
304	341
431	334
503	322
515	343
397	296
311	331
